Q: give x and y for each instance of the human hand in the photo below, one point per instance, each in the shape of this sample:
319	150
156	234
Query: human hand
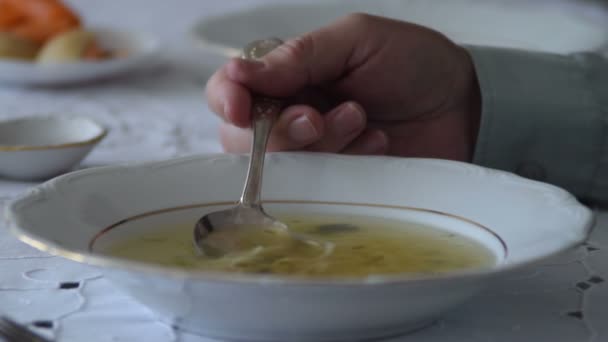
362	85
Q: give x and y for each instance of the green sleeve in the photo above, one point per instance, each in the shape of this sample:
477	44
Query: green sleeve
545	117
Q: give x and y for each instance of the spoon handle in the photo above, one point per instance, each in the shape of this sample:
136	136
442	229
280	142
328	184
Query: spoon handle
264	111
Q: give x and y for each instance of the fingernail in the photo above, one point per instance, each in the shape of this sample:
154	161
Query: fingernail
302	130
376	143
348	120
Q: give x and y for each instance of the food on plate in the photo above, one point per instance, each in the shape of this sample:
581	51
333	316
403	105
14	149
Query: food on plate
356	246
70	46
46	31
14	47
36	20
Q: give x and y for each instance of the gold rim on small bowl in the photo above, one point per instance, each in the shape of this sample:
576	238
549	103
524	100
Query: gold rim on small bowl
94	140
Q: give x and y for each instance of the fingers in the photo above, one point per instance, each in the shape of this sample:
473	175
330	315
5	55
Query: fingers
297	127
313	59
370	142
234	139
301	127
343	124
230	100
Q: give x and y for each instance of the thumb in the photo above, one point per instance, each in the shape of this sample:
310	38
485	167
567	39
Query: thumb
314	58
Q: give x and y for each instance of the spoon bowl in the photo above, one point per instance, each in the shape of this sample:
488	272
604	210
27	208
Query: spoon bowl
210	241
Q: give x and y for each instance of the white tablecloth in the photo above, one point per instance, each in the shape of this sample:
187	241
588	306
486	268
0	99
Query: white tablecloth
160	113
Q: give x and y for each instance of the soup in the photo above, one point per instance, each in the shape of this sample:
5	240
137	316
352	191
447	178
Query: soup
340	246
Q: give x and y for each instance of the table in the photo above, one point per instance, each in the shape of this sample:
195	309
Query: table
160	113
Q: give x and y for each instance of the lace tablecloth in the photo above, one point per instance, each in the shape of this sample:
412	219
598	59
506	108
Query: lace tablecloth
160	113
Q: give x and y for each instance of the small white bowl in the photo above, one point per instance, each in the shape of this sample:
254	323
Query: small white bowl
36	148
520	220
139	50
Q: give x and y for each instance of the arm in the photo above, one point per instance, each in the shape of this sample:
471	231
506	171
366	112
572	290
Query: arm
545	116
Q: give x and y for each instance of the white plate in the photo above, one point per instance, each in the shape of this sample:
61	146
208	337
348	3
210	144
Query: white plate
79	214
139	48
559	26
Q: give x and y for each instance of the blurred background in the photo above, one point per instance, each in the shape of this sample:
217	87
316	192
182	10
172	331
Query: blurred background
160	106
546	22
199	34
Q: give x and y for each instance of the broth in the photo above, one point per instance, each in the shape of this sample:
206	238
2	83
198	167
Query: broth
355	246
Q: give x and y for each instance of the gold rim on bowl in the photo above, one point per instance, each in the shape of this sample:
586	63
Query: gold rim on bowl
89	257
95	139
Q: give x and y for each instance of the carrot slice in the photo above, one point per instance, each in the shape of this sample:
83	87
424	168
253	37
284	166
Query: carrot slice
9	16
40	19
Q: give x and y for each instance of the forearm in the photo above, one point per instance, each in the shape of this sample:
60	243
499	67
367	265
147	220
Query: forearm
545	116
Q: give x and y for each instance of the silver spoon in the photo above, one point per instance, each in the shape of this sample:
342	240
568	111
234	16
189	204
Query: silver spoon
248	213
